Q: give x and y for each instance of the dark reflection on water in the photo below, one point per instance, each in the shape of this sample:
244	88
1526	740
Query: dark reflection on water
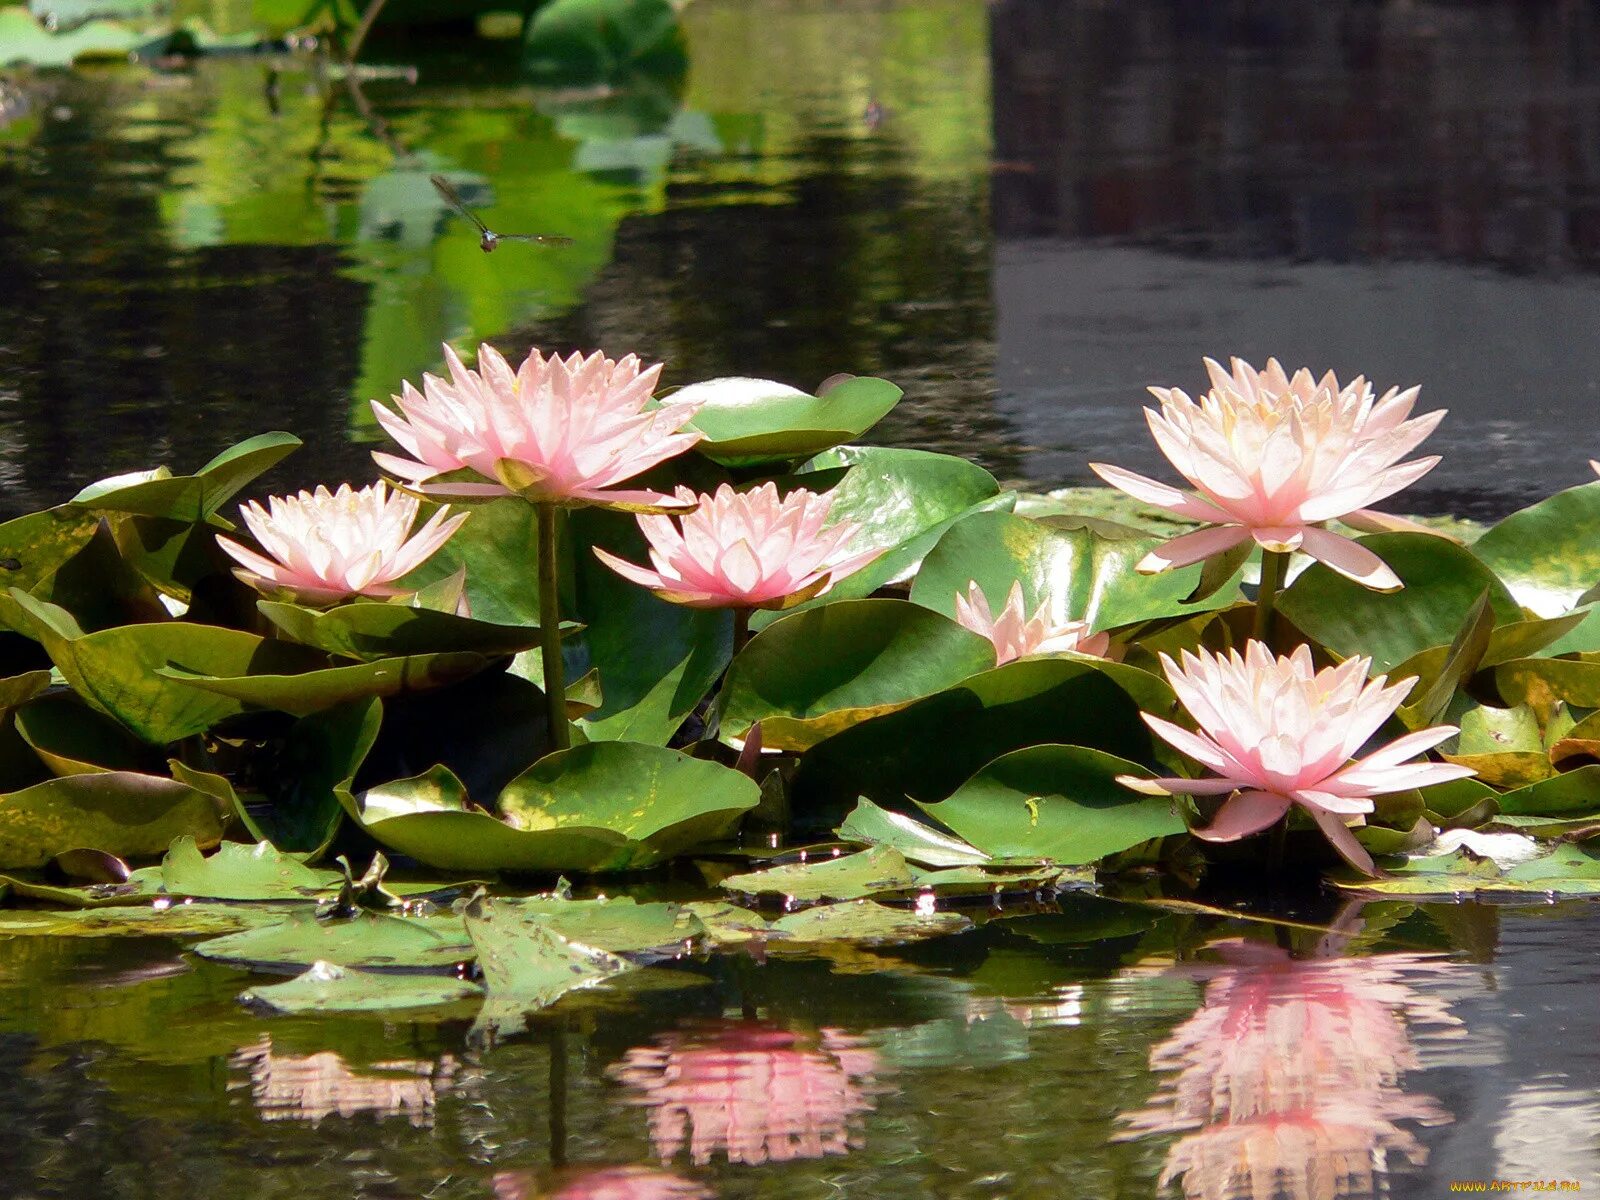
1027	1059
1408	190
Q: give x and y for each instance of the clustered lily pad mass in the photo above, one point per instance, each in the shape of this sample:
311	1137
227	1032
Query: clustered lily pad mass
954	685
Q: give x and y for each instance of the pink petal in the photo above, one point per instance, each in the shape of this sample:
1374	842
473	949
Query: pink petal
1338	833
1193	547
1246	813
1353	561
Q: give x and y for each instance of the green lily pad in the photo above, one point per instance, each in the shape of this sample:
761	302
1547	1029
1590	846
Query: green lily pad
24	40
1059	804
915	842
368	630
606	806
1548	554
1538	681
587	42
848	877
119	670
1442	581
993	880
191	498
307	692
618	925
862	922
1569	792
239	872
329	988
726	924
40	543
912	752
364	940
145	920
819	671
1070	573
71	738
756	420
903	501
1565	871
123	813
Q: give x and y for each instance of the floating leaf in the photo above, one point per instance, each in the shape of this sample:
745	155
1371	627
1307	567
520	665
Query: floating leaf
916	842
756	420
329	988
1570	792
912	753
1548	554
1057	804
144	920
306	692
368	630
618	925
239	872
1565	871
606	806
121	812
820	671
1068	573
863	922
1442	584
365	940
848	877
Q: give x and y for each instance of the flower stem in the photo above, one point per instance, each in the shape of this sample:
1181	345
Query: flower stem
555	685
1275	851
1274	566
741	629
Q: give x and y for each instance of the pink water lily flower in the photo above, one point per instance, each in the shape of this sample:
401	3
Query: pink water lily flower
1017	635
1278	733
745	550
1271	458
327	546
557	431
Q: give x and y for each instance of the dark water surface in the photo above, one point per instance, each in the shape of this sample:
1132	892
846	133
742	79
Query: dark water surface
1023	212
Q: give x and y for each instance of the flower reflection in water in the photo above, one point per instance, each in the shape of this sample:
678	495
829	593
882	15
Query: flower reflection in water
1286	1082
755	1091
605	1183
291	1087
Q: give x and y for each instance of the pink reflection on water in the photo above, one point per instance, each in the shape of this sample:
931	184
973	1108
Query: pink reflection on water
605	1183
311	1087
754	1091
1286	1081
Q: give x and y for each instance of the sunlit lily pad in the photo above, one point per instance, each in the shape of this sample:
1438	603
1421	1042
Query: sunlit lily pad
724	924
121	812
820	671
329	988
192	498
239	872
1549	553
915	841
848	877
607	806
1058	804
37	545
862	922
756	420
164	920
618	925
365	940
1068	573
370	631
306	692
1566	871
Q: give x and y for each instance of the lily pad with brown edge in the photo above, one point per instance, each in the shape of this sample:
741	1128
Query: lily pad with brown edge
1057	804
820	671
751	421
848	877
119	670
329	988
305	692
1568	870
861	922
366	940
133	891
371	630
1066	573
606	806
124	813
1541	682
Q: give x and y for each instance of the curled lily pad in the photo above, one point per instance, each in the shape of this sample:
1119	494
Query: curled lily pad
71	738
365	940
192	498
329	988
756	420
606	806
1059	804
817	672
306	692
1571	792
370	630
915	841
1548	554
847	877
1067	573
121	812
35	546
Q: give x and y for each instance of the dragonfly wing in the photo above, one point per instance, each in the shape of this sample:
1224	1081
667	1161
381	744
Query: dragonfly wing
549	239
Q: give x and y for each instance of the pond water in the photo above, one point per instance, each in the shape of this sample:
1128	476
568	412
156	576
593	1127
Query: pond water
1023	212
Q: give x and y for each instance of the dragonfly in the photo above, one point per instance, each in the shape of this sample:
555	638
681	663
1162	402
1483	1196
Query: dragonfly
488	239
